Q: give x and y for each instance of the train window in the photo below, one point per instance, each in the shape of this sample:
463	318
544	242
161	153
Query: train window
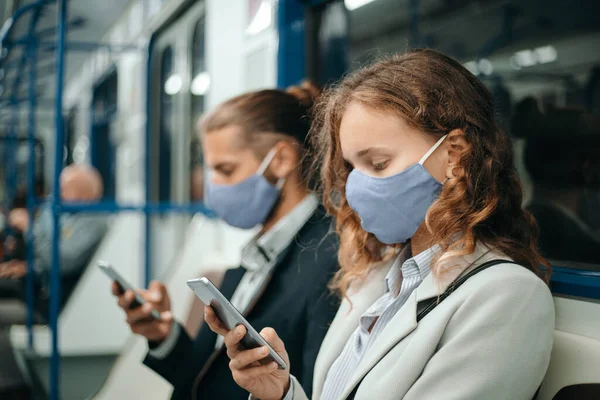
170	85
200	83
13	171
102	149
537	62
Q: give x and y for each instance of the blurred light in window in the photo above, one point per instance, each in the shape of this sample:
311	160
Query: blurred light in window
472	67
173	84
200	84
546	54
262	19
354	4
525	58
479	67
529	58
514	63
485	66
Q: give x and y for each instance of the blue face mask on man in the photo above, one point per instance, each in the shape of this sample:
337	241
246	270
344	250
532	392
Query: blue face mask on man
248	203
392	208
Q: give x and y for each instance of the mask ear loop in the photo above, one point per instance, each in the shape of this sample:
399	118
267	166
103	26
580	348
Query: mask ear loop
265	164
431	150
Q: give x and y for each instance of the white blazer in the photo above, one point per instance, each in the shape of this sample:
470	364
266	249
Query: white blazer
491	339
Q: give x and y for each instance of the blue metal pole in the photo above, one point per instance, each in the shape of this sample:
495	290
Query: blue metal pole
31	200
77	22
58	164
291	49
31	197
149	208
147	272
11	146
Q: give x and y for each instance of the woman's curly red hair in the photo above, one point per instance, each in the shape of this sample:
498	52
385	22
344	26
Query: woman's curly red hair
481	203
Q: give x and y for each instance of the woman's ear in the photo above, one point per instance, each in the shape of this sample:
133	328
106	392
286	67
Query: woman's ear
458	146
285	159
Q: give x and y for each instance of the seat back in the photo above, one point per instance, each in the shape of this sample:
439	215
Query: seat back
68	284
574	370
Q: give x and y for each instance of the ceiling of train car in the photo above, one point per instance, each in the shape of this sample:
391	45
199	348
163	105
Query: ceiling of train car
89	20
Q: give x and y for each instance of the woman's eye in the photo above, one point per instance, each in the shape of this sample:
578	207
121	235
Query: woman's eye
225	171
380	166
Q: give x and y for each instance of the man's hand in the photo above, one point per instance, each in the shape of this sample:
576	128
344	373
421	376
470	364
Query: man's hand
13	269
140	318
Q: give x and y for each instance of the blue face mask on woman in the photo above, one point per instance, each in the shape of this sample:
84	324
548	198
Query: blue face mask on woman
392	208
248	203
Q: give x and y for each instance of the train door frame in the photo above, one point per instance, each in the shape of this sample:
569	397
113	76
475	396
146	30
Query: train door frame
103	152
177	34
325	67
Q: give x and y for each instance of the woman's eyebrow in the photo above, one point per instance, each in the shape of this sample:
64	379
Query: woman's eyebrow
224	164
370	150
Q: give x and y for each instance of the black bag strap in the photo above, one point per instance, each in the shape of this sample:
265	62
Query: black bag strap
429	304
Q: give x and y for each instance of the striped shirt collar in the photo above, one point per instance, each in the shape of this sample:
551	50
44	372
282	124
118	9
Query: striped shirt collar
406	266
263	250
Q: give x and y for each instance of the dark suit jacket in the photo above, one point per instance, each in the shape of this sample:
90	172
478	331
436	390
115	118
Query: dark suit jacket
296	303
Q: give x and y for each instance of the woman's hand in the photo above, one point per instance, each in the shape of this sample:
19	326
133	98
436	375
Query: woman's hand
263	381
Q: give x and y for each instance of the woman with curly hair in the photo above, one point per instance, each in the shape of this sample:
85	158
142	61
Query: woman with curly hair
445	293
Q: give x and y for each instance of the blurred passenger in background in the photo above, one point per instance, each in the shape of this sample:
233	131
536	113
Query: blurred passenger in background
254	148
13	241
81	234
564	189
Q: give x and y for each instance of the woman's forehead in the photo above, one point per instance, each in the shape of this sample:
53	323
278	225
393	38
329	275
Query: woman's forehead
364	127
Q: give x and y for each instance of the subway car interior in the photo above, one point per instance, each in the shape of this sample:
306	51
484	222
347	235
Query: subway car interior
121	85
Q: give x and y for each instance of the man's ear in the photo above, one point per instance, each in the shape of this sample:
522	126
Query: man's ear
286	159
458	147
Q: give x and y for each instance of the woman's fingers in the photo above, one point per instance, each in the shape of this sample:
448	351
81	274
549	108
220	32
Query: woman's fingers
248	358
273	339
214	322
232	340
234	336
243	376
